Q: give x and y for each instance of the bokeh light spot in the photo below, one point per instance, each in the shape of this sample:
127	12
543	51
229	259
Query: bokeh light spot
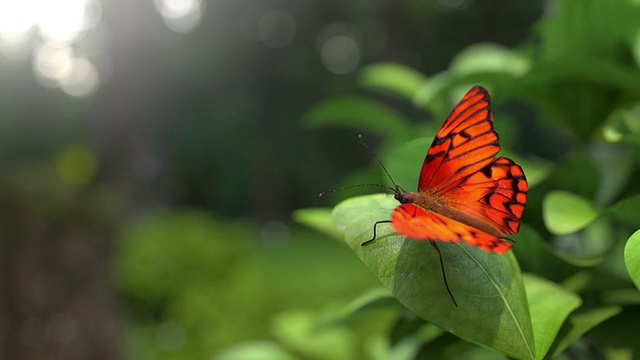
76	165
340	54
249	19
276	29
16	16
61	20
181	16
53	60
82	80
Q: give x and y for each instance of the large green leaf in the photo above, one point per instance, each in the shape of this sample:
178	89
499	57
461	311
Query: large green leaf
632	257
488	287
550	305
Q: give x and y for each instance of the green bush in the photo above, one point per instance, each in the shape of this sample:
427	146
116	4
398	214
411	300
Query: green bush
570	286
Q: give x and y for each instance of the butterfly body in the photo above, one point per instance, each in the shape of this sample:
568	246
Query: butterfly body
465	193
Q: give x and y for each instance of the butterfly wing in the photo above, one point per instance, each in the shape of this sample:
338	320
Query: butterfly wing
465	143
417	223
462	172
496	194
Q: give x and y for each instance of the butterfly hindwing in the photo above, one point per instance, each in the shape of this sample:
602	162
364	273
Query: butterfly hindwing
496	194
420	224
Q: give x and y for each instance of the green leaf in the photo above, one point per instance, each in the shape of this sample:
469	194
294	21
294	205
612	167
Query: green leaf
358	113
564	212
318	219
549	305
488	287
632	257
580	323
392	77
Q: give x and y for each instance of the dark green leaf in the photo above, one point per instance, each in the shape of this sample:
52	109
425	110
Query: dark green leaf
627	210
488	287
580	323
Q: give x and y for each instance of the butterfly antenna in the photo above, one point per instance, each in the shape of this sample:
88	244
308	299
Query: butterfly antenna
444	275
354	186
397	186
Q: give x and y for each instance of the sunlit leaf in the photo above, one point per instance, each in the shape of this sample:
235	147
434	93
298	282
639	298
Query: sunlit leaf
632	257
255	350
318	219
549	306
580	323
392	77
564	212
488	287
298	330
358	113
489	58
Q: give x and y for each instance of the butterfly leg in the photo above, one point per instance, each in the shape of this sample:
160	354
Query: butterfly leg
444	275
374	231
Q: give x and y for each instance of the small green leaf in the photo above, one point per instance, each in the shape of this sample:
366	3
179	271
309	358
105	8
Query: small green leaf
358	113
318	219
549	305
632	257
392	77
564	212
377	299
580	323
488	287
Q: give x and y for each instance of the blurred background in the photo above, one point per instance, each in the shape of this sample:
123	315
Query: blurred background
153	153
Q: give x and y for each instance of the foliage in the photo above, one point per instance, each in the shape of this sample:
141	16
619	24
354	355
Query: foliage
576	93
196	284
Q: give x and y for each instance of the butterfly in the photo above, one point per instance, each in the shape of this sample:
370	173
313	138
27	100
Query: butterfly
465	193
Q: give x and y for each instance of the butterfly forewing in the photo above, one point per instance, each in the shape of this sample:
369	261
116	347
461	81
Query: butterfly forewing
465	143
481	198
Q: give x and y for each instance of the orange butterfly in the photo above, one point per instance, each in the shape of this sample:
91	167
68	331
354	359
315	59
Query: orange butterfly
465	193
